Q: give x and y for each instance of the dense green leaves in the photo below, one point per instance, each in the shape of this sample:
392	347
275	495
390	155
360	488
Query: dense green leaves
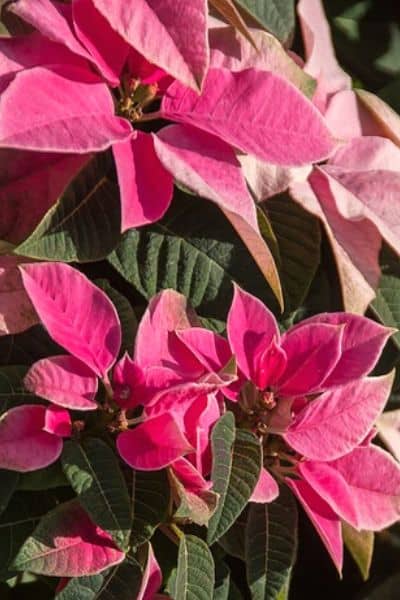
235	472
298	237
94	473
179	252
271	544
121	582
151	501
84	225
195	574
277	16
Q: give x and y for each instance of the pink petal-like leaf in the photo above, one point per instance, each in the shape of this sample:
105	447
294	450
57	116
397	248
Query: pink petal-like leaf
210	349
385	117
66	543
166	312
30	183
77	314
127	382
312	352
322	517
107	49
367	154
58	421
16	309
154	444
321	62
388	426
152	577
355	249
362	344
287	130
251	328
266	490
24	444
146	187
171	34
208	166
68	109
337	421
65	381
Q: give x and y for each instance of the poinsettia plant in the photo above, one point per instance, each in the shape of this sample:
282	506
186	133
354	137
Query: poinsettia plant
199	302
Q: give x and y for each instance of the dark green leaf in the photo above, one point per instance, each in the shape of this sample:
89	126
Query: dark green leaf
125	312
233	541
27	347
151	503
121	582
298	236
43	479
201	262
93	471
84	225
360	544
17	523
271	545
388	590
195	575
235	472
8	484
11	388
277	16
391	94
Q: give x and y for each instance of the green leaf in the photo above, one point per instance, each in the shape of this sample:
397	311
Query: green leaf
233	541
200	262
298	236
386	305
27	347
44	479
8	484
360	544
151	494
93	471
127	317
84	225
235	472
277	16
11	388
271	545
388	590
18	522
121	582
195	575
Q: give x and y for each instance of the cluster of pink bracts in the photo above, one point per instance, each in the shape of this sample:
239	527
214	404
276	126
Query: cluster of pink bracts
77	84
306	394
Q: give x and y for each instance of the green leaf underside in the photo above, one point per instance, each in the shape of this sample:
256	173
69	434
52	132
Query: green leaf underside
360	544
201	262
386	305
93	471
84	225
277	16
195	574
235	472
270	546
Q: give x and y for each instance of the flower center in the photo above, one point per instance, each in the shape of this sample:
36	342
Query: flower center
135	96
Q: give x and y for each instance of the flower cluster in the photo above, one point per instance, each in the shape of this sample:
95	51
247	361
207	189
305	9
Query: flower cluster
198	420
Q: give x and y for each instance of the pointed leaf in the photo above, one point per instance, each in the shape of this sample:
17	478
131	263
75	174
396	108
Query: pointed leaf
65	381
195	506
231	14
178	39
66	543
288	130
76	313
176	253
360	544
235	472
337	421
151	493
276	16
84	224
271	545
62	122
195	575
386	305
95	475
